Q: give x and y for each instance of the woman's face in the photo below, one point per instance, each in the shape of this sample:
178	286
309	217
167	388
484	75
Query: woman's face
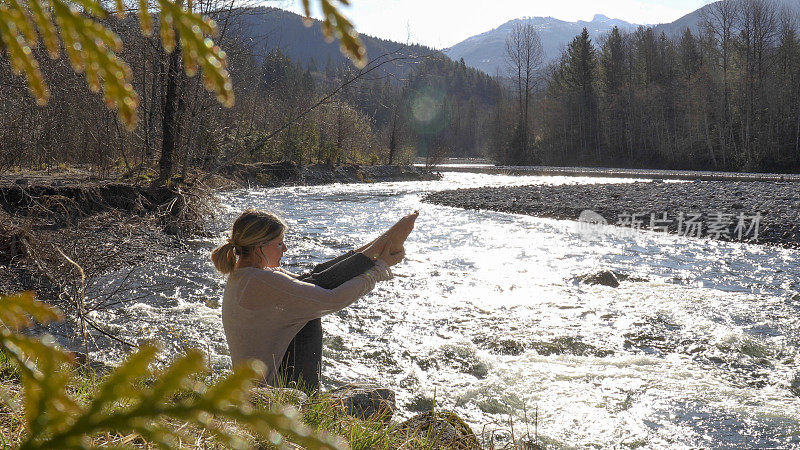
273	251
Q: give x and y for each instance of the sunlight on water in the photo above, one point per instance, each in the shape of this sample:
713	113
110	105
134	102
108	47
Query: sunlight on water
486	315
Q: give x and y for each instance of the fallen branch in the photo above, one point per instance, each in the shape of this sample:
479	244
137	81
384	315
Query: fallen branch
80	303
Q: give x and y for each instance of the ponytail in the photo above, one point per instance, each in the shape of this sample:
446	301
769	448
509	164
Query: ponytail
224	258
252	228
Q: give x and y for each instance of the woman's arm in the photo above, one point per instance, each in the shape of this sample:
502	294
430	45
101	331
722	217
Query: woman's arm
328	264
397	232
343	269
301	301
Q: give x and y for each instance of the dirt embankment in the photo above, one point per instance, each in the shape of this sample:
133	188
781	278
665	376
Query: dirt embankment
107	224
100	225
289	173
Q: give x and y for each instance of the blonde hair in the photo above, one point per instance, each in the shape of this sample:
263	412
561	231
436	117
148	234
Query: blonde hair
251	228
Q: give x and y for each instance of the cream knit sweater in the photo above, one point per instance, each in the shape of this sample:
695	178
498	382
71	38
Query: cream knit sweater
263	309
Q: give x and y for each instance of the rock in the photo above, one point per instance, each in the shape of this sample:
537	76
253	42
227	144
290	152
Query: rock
500	346
604	277
794	387
420	403
625	277
365	401
462	358
444	429
527	444
568	345
508	347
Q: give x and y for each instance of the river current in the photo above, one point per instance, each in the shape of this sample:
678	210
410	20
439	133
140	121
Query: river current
486	318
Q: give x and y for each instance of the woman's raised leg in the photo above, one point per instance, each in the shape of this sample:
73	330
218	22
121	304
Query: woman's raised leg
303	359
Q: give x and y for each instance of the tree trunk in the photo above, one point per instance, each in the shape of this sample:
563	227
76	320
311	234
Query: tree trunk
169	118
797	134
393	139
708	141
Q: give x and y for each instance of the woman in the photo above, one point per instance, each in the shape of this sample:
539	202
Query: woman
267	310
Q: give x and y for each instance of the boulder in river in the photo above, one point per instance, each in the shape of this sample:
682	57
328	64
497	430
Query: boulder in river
444	428
604	277
420	403
365	401
795	385
463	358
626	277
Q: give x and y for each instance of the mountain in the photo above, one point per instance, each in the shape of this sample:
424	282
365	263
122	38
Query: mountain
486	51
692	20
265	29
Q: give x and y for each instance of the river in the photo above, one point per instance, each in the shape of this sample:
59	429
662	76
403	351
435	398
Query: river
486	318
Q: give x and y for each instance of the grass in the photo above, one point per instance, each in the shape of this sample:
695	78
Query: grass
320	412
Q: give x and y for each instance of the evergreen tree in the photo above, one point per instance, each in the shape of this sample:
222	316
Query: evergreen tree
613	100
578	75
690	58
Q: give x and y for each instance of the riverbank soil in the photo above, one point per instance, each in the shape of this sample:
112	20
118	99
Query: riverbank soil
50	226
289	173
106	224
750	211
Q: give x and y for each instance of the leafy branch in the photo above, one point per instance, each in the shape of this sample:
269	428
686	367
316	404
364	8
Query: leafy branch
93	49
335	24
124	403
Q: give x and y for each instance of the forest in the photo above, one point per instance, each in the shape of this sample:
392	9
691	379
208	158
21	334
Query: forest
725	96
406	98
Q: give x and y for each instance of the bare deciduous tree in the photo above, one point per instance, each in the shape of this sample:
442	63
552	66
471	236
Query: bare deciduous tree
718	21
524	55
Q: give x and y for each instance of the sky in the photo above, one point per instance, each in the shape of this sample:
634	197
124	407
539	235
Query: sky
443	23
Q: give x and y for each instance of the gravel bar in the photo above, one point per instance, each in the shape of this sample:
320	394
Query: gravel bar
720	207
689	175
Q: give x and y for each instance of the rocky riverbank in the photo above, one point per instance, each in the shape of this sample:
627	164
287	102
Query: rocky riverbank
726	210
289	173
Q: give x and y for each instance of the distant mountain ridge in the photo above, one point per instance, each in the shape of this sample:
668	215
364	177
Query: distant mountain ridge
486	51
692	20
267	29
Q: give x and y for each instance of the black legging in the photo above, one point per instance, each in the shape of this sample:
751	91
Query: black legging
303	359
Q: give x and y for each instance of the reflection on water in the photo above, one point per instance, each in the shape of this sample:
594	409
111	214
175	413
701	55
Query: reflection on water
487	316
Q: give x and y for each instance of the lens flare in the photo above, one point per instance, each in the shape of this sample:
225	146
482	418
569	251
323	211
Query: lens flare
428	111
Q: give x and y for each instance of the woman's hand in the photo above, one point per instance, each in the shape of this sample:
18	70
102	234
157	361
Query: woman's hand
390	255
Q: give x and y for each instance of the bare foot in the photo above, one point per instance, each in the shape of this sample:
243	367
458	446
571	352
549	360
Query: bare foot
396	235
399	232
